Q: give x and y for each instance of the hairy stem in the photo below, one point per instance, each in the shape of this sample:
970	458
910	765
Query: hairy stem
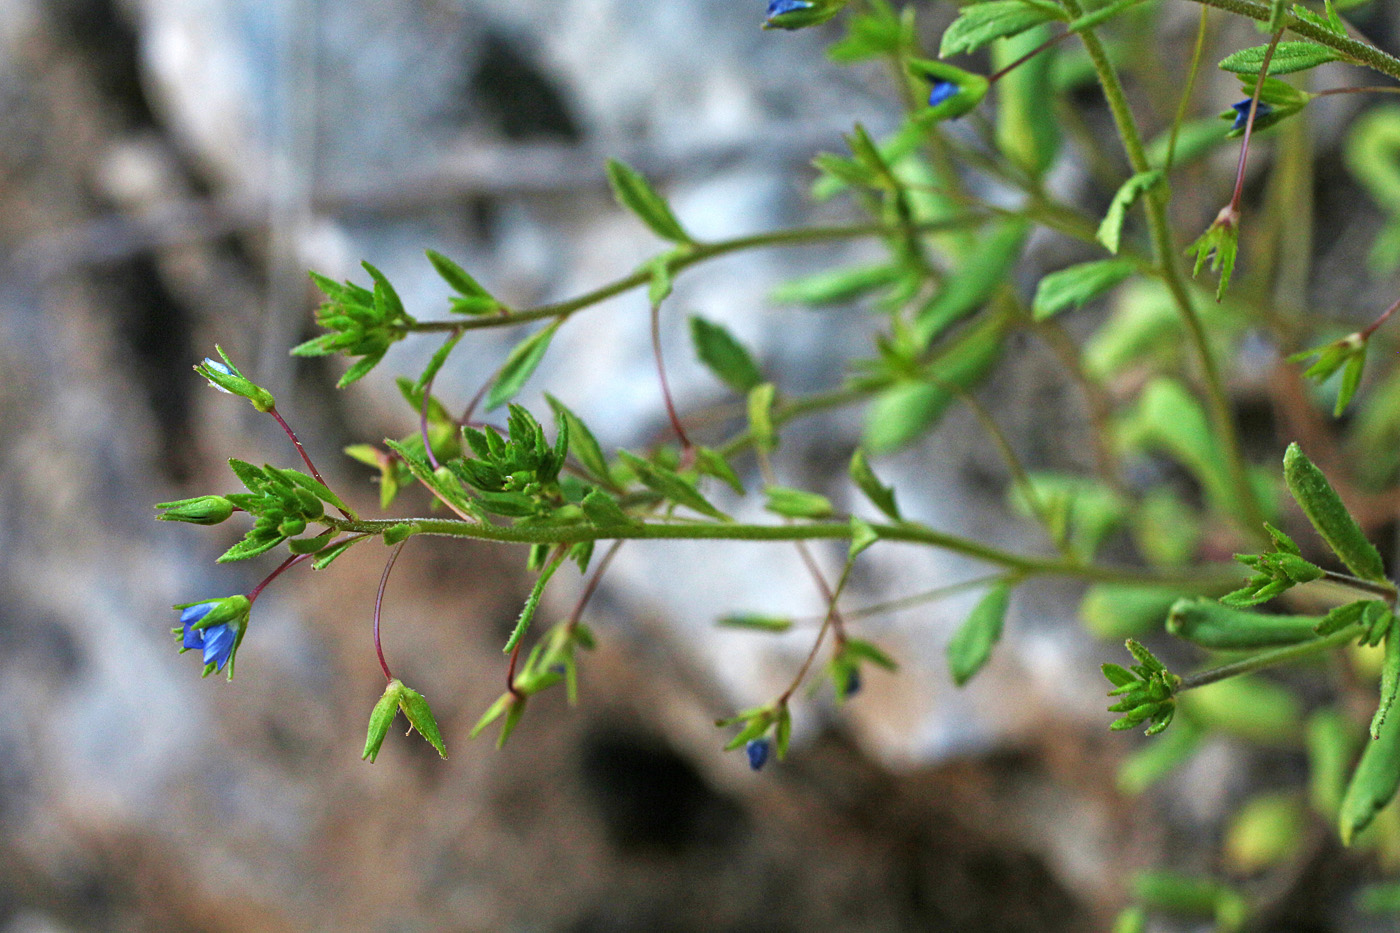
1166	252
1270	658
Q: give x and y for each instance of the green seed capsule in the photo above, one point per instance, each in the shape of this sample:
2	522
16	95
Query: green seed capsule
1207	623
1324	508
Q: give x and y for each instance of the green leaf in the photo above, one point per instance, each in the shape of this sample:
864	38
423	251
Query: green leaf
725	356
323	560
637	195
972	644
974	283
1390	676
420	716
835	286
760	406
1373	783
709	463
862	536
757	621
1250	708
603	510
1119	610
582	443
980	23
880	495
1332	745
1329	515
1155	760
532	602
519	366
380	719
670	485
1288	58
474	299
797	503
1110	232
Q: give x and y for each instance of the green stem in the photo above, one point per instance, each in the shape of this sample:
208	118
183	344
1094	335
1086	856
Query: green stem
1191	76
689	256
831	531
1270	658
1166	253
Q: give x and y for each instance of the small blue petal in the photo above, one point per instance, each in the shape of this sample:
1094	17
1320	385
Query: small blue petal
757	750
1242	113
942	91
779	7
194	613
853	684
193	638
218	645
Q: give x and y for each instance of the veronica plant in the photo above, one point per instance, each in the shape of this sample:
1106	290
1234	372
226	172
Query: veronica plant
954	193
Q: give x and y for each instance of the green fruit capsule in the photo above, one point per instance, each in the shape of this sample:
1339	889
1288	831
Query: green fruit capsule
1325	509
1207	623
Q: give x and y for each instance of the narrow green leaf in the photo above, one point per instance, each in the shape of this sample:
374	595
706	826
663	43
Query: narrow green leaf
457	277
1329	515
582	443
760	404
1373	783
1110	232
670	485
797	503
835	286
532	602
751	620
980	23
1390	677
520	365
724	355
1155	760
1288	58
972	644
1078	284
637	195
880	495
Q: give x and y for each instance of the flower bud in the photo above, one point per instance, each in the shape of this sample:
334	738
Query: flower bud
797	14
226	378
201	510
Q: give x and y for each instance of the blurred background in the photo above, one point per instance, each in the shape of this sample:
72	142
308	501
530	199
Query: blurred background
169	170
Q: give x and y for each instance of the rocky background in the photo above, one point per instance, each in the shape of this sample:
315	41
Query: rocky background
168	171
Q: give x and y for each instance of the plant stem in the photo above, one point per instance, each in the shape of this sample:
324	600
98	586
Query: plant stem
1166	253
697	253
302	450
1191	76
906	532
1048	43
831	617
1238	195
1270	658
1376	324
379	605
281	568
687	449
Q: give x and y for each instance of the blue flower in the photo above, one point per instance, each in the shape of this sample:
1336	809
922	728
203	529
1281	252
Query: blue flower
942	90
215	638
757	750
779	7
1242	113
